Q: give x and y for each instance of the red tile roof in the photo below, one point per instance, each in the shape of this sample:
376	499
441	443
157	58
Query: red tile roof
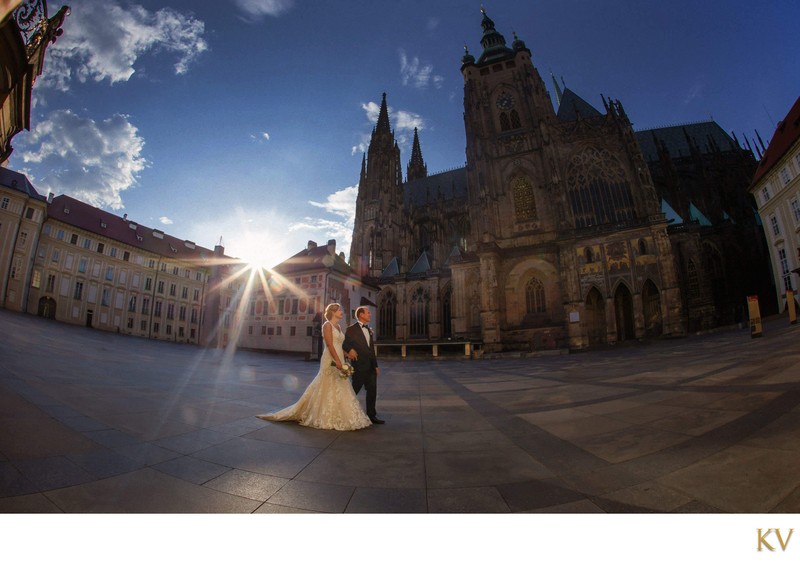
787	132
81	215
314	257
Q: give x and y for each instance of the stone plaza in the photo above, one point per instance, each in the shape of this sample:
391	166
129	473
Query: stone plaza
94	422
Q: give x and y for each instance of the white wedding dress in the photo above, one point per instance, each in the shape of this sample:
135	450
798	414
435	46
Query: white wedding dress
329	401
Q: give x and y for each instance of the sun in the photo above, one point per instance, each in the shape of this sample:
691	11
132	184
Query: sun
257	252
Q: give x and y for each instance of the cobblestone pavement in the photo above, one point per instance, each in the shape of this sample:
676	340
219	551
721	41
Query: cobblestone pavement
102	423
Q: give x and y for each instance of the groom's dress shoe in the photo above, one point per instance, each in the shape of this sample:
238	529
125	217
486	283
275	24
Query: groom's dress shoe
376	420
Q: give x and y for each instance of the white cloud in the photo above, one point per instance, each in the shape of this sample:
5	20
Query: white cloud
103	40
341	204
92	161
165	220
265	135
258	8
416	74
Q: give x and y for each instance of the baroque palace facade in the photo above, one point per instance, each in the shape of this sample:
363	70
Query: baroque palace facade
554	235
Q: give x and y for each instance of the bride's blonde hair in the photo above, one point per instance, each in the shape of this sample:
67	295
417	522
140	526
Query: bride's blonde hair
330	309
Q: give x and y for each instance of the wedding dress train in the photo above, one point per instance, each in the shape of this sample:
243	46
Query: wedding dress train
329	401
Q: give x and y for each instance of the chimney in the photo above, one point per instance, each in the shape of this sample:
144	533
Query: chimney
125	216
311	245
332	247
50	198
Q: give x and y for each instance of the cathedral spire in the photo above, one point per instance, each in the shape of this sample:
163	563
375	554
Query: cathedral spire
363	177
416	166
559	95
383	117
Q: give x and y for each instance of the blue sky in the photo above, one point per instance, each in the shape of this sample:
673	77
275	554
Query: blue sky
247	119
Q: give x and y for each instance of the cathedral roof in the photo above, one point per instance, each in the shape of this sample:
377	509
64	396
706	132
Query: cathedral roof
672	216
786	134
448	185
392	269
423	264
571	105
678	140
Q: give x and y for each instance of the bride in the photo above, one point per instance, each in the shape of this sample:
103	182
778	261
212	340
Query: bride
329	401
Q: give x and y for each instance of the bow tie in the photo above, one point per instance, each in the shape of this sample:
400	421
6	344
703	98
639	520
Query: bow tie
365	326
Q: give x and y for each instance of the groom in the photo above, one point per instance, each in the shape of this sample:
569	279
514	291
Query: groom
360	348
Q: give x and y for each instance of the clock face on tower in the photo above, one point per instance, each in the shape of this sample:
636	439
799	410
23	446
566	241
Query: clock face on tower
505	101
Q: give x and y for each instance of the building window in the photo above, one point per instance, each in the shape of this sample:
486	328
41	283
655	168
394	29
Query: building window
78	290
180	332
182	313
158	309
148	284
126	256
143	326
4	203
100	247
113	252
161	287
172	288
786	275
156	327
294	306
534	297
796	211
51	283
16	268
130	322
278	331
56	256
194	316
196	295
145	305
132	304
82	265
60	235
280	306
785	177
170	311
598	190
420	302
73	239
104	298
175	270
22	240
249	329
29	213
263	330
309	331
109	273
87	243
36	282
184	293
169	329
776	229
524	201
270	331
292	331
765	193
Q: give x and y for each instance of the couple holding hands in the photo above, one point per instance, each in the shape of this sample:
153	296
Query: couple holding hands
330	402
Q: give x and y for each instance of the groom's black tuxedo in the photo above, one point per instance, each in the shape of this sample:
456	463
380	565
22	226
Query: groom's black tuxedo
365	367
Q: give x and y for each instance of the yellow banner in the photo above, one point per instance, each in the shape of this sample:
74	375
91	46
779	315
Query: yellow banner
791	307
755	316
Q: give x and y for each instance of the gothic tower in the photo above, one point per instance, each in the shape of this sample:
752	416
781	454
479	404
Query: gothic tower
379	227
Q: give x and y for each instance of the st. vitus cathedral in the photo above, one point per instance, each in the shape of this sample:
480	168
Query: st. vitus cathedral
552	236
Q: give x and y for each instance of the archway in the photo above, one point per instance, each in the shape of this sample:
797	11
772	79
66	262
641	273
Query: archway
595	317
47	308
623	311
651	308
